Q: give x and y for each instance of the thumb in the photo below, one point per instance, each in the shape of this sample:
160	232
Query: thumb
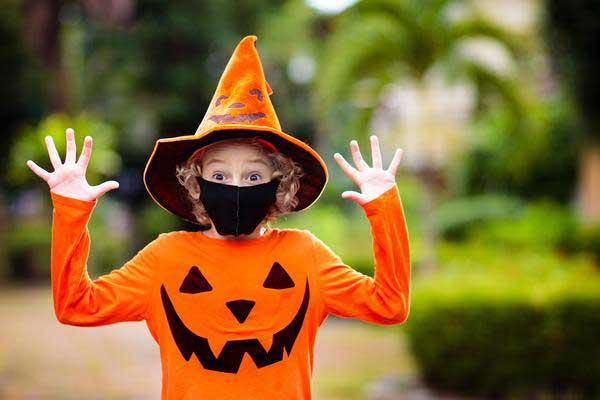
105	187
354	196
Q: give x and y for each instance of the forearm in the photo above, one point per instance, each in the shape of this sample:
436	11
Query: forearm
121	295
384	299
391	286
69	252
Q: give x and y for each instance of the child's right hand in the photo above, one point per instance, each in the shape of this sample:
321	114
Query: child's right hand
68	179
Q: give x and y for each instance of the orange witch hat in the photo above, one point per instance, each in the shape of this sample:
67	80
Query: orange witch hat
240	107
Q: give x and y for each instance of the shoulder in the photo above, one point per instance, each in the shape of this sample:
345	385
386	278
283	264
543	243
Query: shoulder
171	235
295	233
170	238
288	234
301	239
167	236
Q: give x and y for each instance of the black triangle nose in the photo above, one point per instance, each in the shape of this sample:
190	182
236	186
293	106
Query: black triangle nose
240	309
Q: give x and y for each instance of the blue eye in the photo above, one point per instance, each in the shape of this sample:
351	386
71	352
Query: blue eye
218	174
257	175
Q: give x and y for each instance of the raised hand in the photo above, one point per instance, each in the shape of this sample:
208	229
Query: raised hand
372	181
68	178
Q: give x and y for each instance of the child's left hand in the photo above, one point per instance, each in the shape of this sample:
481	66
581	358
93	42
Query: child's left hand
372	181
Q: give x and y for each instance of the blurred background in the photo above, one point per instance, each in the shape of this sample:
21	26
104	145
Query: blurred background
495	103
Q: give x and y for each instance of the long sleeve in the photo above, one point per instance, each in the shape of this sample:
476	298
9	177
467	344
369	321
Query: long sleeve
121	295
384	299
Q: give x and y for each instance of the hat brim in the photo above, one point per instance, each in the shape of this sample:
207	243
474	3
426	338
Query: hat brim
164	188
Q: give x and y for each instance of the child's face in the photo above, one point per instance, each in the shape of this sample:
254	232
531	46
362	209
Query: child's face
239	164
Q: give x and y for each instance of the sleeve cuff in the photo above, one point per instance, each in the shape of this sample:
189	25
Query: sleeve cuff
72	202
372	206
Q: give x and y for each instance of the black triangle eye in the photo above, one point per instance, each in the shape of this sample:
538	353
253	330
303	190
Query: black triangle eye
195	282
278	278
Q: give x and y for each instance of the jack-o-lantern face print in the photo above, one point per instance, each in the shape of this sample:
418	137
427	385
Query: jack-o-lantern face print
232	353
237	111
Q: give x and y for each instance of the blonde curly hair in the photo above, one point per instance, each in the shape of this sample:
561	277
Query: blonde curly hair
283	166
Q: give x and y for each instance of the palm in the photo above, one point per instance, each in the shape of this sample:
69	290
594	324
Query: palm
421	38
68	178
372	181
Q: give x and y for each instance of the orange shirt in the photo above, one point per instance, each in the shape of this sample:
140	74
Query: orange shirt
234	319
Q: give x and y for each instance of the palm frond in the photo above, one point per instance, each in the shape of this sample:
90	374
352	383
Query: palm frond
479	27
351	53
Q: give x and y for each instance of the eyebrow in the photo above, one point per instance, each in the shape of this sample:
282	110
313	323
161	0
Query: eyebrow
213	161
256	160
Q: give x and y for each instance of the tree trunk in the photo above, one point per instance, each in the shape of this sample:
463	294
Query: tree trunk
588	196
42	32
4	251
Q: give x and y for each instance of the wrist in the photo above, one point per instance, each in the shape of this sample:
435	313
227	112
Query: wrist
373	205
72	201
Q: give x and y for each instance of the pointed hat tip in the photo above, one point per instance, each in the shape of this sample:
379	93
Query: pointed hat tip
249	39
246	41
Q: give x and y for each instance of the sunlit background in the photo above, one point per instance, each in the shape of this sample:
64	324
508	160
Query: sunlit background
494	102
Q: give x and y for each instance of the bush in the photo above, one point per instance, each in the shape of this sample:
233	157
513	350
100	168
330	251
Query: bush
532	157
541	224
28	242
455	218
515	226
493	332
586	238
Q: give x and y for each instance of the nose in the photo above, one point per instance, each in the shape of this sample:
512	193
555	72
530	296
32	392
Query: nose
240	309
238	180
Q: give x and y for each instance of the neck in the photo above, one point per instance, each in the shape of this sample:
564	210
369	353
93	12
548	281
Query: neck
212	232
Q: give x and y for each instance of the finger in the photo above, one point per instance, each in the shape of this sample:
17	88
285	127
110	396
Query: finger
347	168
39	171
357	156
86	152
392	169
71	147
375	152
354	196
53	153
102	188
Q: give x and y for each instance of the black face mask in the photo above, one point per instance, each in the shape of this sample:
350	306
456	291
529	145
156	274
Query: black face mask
237	210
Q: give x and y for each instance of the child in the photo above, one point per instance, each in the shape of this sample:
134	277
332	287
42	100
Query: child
235	308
